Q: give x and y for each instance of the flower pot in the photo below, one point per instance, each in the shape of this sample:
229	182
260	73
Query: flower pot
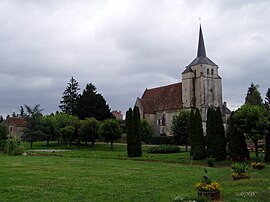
213	195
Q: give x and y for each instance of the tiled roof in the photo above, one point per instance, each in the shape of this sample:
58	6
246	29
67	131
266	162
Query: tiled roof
162	98
202	60
16	121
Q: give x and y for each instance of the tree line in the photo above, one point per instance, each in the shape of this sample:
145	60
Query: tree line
250	122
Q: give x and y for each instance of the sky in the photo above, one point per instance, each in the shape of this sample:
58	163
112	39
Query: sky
126	46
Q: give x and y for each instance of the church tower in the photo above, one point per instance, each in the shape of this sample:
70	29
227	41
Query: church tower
201	83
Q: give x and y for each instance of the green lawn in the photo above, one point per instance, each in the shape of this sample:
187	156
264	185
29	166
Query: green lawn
84	174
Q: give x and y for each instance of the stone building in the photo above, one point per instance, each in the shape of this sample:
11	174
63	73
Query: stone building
201	87
15	125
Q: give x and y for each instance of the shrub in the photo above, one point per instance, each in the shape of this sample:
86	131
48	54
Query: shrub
164	149
160	140
211	161
12	147
239	167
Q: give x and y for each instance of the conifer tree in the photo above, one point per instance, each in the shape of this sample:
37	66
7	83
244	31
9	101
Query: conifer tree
267	137
220	153
92	104
237	143
198	144
253	95
133	126
211	132
69	99
191	132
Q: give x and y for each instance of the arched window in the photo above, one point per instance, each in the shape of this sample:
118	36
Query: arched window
207	71
212	72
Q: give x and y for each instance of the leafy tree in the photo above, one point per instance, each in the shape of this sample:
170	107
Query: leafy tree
61	120
69	99
33	131
1	119
48	127
133	125
197	139
251	120
253	96
179	128
110	131
92	104
67	134
147	131
89	130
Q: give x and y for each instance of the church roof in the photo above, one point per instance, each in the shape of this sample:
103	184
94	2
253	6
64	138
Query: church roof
162	98
201	53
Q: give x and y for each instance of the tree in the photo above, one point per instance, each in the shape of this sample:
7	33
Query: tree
33	131
267	137
267	99
253	96
61	120
147	131
198	151
179	128
215	134
92	104
237	143
220	153
89	130
67	134
251	120
3	136
69	99
211	133
110	131
133	124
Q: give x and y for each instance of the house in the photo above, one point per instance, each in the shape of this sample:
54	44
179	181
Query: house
201	87
15	125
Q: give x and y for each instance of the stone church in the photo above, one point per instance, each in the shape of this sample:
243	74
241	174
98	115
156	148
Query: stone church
201	87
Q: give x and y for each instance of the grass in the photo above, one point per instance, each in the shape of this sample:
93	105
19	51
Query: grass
86	174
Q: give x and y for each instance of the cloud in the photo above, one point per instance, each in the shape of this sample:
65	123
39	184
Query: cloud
124	46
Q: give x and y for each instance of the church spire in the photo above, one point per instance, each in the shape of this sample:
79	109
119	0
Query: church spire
201	48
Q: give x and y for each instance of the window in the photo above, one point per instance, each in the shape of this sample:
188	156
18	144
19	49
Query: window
10	128
212	72
207	71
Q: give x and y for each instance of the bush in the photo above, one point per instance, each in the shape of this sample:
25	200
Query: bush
12	147
211	161
239	167
161	140
164	149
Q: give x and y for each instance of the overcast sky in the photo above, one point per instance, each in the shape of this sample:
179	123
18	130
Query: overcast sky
125	46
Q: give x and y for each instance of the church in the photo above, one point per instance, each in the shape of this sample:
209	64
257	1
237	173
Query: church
201	87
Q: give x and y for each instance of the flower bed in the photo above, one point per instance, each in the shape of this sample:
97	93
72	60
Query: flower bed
257	165
237	176
207	188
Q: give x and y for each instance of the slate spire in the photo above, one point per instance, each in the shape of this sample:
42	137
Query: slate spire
201	48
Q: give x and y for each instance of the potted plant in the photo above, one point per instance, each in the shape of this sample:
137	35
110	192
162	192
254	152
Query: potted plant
208	189
257	165
239	171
